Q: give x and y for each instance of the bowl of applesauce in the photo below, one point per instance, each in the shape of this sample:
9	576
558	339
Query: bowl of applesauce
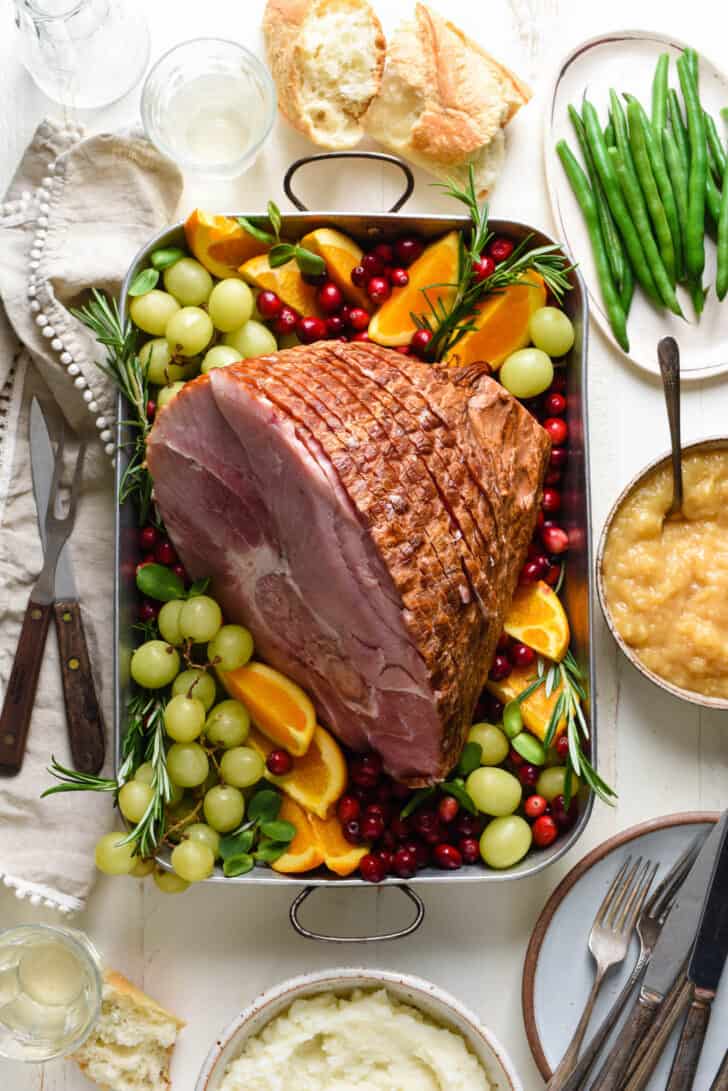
663	583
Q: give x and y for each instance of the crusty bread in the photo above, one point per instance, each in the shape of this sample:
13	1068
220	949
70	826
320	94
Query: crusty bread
443	101
327	58
130	1047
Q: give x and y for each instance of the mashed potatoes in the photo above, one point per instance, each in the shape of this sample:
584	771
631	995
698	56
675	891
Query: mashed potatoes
361	1041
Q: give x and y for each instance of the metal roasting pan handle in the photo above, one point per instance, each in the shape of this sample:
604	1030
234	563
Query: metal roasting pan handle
381	157
400	934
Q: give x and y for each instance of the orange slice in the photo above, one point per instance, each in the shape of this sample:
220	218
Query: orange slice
435	270
285	280
502	324
537	708
339	855
277	706
341	254
537	618
304	851
317	779
219	243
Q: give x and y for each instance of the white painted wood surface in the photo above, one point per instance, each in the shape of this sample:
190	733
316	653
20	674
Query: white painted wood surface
210	952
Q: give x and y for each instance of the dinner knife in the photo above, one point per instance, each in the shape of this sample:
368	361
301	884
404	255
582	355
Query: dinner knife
705	969
671	950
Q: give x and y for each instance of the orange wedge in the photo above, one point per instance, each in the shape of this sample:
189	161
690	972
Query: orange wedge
340	856
502	324
277	706
219	243
436	271
341	254
537	618
304	851
318	779
285	280
537	708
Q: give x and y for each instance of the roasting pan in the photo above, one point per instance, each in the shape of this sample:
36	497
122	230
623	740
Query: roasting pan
576	511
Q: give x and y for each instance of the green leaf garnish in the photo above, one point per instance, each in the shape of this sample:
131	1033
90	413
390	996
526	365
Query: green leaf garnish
143	282
236	844
281	253
264	806
313	265
270	851
238	865
416	801
257	232
274	215
452	788
167	256
198	587
278	831
160	583
469	759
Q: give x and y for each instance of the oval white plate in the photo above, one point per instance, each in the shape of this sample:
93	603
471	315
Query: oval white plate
626	61
558	971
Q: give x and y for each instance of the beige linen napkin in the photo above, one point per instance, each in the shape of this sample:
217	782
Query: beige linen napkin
75	214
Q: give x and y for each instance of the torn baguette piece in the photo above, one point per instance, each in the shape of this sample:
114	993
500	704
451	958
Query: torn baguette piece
326	58
444	102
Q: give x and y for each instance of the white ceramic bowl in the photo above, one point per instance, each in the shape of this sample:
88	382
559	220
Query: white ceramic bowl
429	999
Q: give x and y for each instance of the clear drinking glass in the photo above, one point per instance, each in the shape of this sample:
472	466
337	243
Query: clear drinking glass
209	104
50	991
86	53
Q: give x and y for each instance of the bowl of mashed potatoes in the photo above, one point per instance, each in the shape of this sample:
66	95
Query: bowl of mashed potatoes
663	582
357	1028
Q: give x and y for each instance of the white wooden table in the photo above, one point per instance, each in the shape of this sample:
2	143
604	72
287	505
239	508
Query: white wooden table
210	952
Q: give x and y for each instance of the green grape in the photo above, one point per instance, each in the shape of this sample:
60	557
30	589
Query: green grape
157	359
167	394
252	339
494	791
205	834
145	773
197	683
219	356
241	766
230	305
224	807
193	861
151	312
551	330
169	883
168	622
142	868
189	331
505	841
552	782
492	742
187	764
228	724
154	664
112	857
188	281
231	648
134	798
526	373
199	619
184	718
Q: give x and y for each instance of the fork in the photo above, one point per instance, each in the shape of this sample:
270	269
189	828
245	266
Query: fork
609	942
648	928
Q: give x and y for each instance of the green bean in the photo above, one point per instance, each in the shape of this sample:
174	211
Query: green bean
691	59
679	181
621	131
678	128
609	133
627	290
721	277
585	197
712	198
635	202
622	218
715	146
612	241
656	156
648	185
659	92
697	294
695	234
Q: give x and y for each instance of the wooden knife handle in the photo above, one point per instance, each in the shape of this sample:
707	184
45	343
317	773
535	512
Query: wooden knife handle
612	1073
22	684
687	1057
720	1083
648	1053
83	712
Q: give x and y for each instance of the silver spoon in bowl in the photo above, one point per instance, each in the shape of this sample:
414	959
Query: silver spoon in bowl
668	355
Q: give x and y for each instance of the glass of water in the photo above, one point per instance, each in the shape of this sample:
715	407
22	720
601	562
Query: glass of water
50	991
209	104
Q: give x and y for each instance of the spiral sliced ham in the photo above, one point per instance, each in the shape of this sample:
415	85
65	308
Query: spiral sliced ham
366	516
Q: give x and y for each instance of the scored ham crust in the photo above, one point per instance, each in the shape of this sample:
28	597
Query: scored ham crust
366	516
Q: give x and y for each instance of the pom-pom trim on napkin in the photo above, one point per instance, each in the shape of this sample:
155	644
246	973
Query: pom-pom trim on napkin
38	894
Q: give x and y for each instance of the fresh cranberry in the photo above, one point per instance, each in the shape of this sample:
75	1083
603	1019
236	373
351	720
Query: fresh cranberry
387	859
310	329
555	539
366	770
554	405
358	319
378	810
552	574
408	249
385	252
427	825
545	831
279	762
500	249
469	850
372	869
447	857
515	758
531	572
491	708
559	380
405	863
345	313
504	642
388	842
557	430
562	747
535	806
269	305
348	808
528	775
398	277
148	538
165	554
558	458
469	825
553	477
151	409
551	501
148	610
564	817
541	560
286	321
379	290
364	795
483	268
540	520
329	297
352	831
359	276
421	851
372	827
362	336
372	265
448	808
522	655
403	350
420	341
335	325
401	828
500	668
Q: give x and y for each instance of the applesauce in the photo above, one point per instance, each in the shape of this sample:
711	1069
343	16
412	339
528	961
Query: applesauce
666	582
